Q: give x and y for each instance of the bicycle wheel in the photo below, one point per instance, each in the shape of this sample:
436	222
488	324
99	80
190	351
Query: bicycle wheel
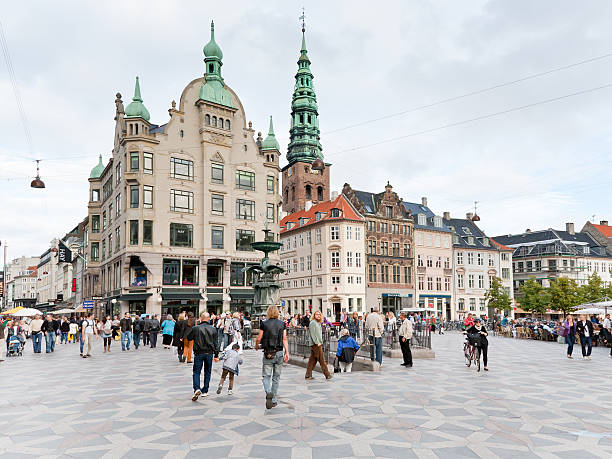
468	357
477	357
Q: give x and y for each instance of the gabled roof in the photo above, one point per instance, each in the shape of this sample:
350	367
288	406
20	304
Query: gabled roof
464	229
369	200
500	246
604	229
416	209
308	217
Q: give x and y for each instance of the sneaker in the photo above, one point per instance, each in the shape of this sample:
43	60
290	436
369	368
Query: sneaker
196	394
219	389
229	392
269	402
589	357
205	394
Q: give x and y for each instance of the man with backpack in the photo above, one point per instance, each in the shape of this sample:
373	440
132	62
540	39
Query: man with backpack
345	353
137	326
273	339
88	331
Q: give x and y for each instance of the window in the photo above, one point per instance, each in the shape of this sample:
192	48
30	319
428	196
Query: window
438	262
384	273
459	258
181	235
134	160
349	280
447	263
335	259
357	233
335	213
396	274
95	251
214	121
216	173
147	232
372	273
207	120
384	248
430	283
335	233
183	169
171	272
389	211
270	184
245	209
134	199
420	261
320	193
319	281
447	284
301	263
103	220
505	273
270	213
110	244
181	201
245	180
133	232
480	261
147	197
358	260
318	235
335	280
118	172
309	263
95	195
349	232
349	259
429	261
216	237
110	214
191	270
217	204
395	249
472	304
421	283
308	237
236	274
147	163
470	281
319	261
95	223
504	256
371	246
460	281
470	258
244	239
117	239
491	280
438	284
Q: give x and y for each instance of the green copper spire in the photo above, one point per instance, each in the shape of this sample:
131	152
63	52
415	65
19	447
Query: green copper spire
271	143
213	89
96	172
304	132
136	108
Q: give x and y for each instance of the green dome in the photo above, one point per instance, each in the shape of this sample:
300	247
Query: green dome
136	108
212	48
271	143
96	172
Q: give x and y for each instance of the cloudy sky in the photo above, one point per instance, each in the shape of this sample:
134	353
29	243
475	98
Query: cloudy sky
535	168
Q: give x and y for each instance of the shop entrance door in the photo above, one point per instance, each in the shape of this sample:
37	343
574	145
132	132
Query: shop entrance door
337	312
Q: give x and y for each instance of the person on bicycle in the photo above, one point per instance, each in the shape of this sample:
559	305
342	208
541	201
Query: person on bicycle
469	321
479	329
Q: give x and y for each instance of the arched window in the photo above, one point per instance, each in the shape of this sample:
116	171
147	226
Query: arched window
287	194
320	193
308	192
293	193
131	129
211	68
207	120
214	121
227	124
221	123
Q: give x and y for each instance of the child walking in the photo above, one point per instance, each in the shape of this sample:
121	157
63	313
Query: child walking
231	360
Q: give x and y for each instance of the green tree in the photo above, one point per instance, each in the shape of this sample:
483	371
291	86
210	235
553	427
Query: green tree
593	290
565	295
533	297
497	296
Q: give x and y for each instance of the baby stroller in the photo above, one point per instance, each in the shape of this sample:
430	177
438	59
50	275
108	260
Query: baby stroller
15	346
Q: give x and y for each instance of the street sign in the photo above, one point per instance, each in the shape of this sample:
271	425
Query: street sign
88	304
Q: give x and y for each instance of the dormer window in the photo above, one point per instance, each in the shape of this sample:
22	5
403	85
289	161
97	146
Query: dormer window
470	240
485	241
586	249
335	213
466	230
319	215
422	219
438	222
303	221
289	225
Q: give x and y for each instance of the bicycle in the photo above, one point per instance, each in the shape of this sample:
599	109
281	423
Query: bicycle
472	354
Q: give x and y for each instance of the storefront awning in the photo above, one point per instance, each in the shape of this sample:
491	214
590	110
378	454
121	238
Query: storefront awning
214	297
181	294
237	294
134	296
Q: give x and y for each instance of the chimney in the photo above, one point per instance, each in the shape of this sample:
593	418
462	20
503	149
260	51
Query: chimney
469	215
527	231
424	201
604	223
569	227
307	205
446	215
334	195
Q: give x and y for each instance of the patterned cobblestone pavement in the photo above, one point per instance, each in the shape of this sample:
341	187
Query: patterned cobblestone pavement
533	403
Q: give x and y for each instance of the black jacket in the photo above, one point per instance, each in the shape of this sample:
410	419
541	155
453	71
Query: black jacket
580	328
204	338
473	331
53	326
179	332
65	327
138	326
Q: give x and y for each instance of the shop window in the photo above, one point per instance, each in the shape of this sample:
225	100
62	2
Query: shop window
214	275
171	270
236	274
190	272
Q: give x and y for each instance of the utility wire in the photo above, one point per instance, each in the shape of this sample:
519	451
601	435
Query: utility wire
471	120
473	93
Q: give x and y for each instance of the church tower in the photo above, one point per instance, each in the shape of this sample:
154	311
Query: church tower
302	182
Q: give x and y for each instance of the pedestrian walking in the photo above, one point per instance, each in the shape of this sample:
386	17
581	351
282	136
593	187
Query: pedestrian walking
49	329
272	339
584	328
88	330
2	339
154	331
73	331
177	336
106	331
187	341
405	335
231	361
137	328
247	329
569	329
205	347
375	328
146	331
64	330
354	326
345	353
167	327
126	327
607	331
116	328
315	341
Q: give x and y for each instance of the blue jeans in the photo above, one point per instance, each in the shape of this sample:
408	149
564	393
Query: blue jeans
570	340
198	361
126	337
37	341
64	338
376	346
587	344
50	342
271	373
136	337
81	335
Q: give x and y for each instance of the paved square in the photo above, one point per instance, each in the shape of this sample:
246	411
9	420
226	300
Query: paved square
533	403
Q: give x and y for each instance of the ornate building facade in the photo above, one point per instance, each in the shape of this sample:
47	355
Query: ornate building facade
173	213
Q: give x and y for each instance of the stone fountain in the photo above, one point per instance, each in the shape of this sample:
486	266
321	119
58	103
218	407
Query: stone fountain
265	276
